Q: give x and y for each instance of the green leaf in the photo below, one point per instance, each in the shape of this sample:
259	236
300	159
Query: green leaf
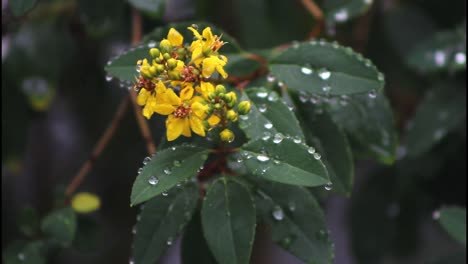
23	252
340	11
228	219
28	221
331	141
441	111
160	33
161	221
240	64
457	258
195	250
60	226
151	7
368	120
268	115
440	52
165	170
323	68
281	159
296	220
19	7
453	220
123	66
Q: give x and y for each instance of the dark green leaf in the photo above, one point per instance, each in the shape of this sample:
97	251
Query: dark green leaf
103	16
324	68
453	220
368	119
165	170
240	64
22	252
161	221
457	258
28	221
161	32
228	219
123	66
19	7
195	250
281	159
442	51
268	115
340	11
60	226
296	220
152	7
330	140
440	112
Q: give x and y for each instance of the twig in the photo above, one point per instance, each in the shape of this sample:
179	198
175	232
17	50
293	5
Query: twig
144	128
317	13
100	146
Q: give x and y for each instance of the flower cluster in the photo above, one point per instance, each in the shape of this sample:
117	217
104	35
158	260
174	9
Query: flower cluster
176	83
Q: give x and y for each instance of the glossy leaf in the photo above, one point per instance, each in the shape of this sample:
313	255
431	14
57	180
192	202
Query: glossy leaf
123	66
296	220
441	111
442	51
60	226
240	64
331	141
195	250
268	115
165	170
453	220
285	161
323	68
161	221
152	7
340	11
368	120
19	7
20	252
228	220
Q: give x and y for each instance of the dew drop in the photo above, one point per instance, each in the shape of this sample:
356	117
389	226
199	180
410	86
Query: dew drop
134	230
297	139
324	74
262	108
263	158
314	100
436	215
328	186
153	180
151	44
292	206
109	78
306	70
21	256
380	77
240	160
372	94
165	194
266	136
244	117
278	138
311	150
273	97
368	2
438	134
169	241
341	15
268	125
173	148
440	58
317	156
460	58
278	213
177	163
146	160
262	94
140	170
167	171
303	97
326	89
271	78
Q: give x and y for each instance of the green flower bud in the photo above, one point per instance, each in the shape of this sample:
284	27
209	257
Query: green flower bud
154	71
160	68
231	115
227	135
181	52
154	52
217	106
174	75
231	99
212	96
220	89
167	56
165	46
244	107
157	61
171	63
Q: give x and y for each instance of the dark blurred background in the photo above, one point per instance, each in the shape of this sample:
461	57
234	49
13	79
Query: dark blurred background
56	102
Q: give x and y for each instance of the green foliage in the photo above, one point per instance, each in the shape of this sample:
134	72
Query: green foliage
453	220
20	7
28	221
194	246
165	170
60	226
228	220
25	252
161	220
123	66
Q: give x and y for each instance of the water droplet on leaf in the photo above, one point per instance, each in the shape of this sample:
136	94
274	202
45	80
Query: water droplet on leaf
153	180
278	213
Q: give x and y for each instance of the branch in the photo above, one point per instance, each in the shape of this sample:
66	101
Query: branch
317	13
144	128
100	146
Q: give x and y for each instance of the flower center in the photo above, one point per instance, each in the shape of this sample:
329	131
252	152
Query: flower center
182	111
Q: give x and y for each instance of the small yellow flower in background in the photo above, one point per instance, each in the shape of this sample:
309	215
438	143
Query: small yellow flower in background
227	135
85	202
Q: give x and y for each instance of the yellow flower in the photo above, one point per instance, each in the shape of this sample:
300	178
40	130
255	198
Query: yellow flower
175	38
205	89
213	63
85	202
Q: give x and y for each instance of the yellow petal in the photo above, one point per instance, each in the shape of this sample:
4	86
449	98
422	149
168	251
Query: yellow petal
186	94
199	110
214	120
85	202
195	32
163	109
172	97
208	35
186	131
174	127
175	37
197	56
148	111
221	71
160	87
142	97
209	66
197	125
